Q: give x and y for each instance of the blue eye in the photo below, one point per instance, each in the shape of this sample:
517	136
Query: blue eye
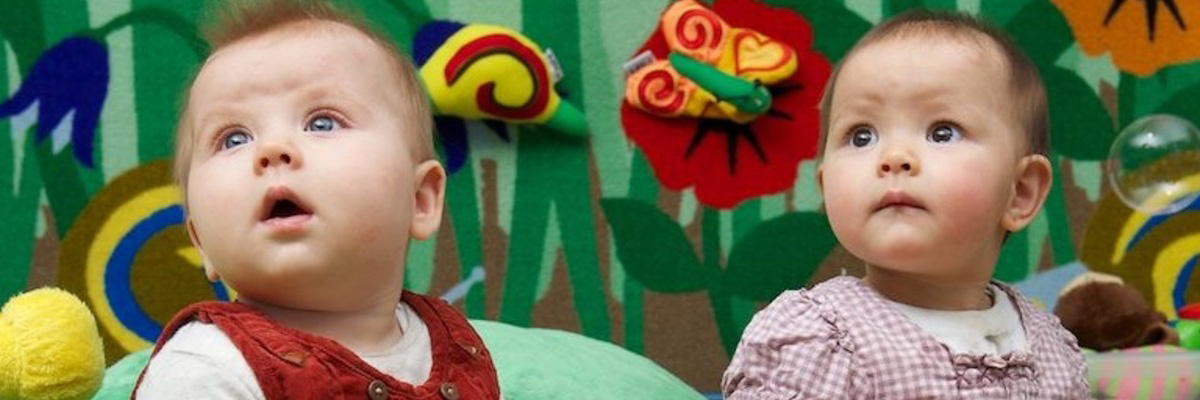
944	133
322	124
863	137
234	139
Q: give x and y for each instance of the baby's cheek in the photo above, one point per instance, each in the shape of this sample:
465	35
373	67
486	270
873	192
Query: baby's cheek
974	203
842	220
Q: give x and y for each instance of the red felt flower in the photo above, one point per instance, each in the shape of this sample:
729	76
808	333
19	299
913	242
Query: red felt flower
729	162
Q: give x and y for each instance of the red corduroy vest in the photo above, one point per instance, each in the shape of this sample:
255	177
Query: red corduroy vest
290	364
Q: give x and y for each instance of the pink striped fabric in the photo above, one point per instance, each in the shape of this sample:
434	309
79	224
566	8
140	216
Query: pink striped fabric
1152	372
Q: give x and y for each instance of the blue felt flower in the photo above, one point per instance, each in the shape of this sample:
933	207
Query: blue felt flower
66	89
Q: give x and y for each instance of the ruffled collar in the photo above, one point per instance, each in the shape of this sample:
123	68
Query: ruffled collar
980	370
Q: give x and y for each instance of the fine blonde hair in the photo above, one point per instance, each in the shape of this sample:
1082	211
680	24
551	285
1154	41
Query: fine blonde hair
236	20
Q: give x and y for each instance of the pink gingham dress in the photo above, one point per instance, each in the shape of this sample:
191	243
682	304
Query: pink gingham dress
842	340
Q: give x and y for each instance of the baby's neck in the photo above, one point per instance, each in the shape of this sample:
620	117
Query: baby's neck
928	293
369	330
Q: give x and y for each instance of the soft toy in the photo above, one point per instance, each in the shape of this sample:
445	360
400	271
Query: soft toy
489	73
1107	315
49	347
481	71
1188	326
714	70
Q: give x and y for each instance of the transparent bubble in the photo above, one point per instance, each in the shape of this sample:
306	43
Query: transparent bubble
1154	164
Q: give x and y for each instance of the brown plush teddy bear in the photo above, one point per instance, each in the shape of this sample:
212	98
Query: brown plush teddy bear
1106	314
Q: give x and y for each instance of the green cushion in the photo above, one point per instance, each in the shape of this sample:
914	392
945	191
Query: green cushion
120	377
533	364
536	364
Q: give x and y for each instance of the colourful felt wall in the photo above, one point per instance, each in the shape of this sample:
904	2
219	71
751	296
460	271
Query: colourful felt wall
603	234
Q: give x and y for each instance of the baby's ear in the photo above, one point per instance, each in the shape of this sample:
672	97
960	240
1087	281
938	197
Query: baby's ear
820	188
1030	187
209	272
428	199
820	179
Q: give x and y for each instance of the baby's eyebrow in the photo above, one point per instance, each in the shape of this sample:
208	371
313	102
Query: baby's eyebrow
938	105
855	107
861	100
205	125
329	96
315	94
322	93
210	117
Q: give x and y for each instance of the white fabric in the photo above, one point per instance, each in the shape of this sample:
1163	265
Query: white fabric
410	359
996	330
201	362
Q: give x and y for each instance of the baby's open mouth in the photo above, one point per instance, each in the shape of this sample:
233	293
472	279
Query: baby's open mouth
286	208
280	203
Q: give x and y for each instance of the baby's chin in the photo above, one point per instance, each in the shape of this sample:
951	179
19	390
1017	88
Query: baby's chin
293	287
930	266
306	300
885	249
909	257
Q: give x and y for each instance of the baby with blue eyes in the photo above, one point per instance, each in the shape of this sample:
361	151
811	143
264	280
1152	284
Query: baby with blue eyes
934	134
305	159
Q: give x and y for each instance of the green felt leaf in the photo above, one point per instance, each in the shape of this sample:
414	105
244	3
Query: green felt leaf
1080	126
779	254
1002	11
1056	211
1041	31
19	198
1013	264
400	19
653	247
22	30
835	28
164	59
1185	104
894	7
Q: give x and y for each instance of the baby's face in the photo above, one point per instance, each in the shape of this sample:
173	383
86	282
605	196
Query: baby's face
301	186
921	154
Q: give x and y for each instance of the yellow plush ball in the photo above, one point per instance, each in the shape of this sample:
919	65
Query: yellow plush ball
49	347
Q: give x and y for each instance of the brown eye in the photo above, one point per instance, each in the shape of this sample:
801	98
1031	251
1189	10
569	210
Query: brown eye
944	133
863	137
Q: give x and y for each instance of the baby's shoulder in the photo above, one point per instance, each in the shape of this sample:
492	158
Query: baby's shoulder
1042	326
1033	317
797	346
1057	353
199	360
819	309
199	338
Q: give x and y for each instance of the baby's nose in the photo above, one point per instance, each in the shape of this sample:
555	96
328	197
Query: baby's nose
899	161
280	158
277	154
